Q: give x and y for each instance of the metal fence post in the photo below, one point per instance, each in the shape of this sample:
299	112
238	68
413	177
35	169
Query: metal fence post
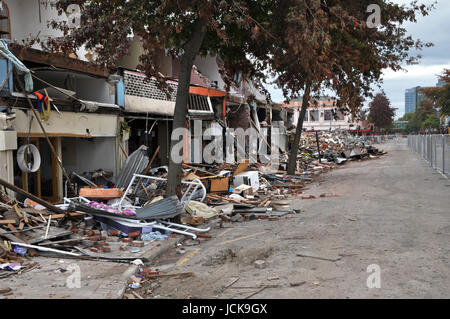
444	144
435	151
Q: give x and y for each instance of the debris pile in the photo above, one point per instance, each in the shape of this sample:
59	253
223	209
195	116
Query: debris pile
116	221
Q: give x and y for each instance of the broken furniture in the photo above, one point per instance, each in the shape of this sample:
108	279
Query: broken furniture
150	216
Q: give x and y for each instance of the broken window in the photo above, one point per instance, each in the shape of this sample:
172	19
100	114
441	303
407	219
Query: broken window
199	103
314	115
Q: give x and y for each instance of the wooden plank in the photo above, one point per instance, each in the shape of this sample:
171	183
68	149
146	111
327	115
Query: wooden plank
318	256
185	274
7	221
32	197
12	237
57	60
241	167
53	234
59	216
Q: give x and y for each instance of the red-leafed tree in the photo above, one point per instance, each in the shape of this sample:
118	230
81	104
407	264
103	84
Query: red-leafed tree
233	29
310	45
381	114
336	45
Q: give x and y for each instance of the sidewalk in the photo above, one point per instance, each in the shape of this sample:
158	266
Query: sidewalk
99	279
392	212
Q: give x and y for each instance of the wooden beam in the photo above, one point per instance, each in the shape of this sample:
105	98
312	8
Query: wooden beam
7	221
32	197
59	61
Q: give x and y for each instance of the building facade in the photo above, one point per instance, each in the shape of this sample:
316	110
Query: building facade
411	100
324	116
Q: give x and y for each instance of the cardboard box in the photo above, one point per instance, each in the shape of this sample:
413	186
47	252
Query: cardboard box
219	185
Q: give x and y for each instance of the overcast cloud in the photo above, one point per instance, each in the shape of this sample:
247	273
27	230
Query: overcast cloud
432	28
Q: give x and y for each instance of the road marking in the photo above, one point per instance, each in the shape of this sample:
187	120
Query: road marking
240	238
188	256
223	233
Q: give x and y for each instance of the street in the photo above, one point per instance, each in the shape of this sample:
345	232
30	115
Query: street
392	212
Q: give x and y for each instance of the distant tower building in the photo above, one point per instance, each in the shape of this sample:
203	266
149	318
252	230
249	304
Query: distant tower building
411	99
441	83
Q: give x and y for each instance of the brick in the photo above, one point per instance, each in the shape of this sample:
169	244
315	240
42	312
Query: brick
137	243
105	249
127	240
93	249
114	232
95	238
92	232
134	234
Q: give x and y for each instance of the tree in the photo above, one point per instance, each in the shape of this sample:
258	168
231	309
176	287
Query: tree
329	45
424	113
431	122
441	95
309	45
406	117
380	112
234	29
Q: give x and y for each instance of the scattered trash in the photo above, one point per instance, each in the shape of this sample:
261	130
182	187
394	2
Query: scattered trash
260	264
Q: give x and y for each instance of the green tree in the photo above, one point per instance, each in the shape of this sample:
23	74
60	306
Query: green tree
441	95
407	117
424	113
431	122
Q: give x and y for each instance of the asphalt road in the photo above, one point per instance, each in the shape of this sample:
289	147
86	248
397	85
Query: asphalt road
392	212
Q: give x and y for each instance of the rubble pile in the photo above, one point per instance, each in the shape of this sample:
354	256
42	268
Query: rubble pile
115	222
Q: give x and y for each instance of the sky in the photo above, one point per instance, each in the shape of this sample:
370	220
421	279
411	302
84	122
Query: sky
433	28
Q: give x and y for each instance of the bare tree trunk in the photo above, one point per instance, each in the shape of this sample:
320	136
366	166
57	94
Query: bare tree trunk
292	164
191	50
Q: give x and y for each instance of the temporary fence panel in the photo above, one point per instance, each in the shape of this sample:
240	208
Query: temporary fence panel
435	149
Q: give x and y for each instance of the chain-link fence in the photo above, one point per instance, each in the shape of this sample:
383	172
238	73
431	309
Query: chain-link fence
435	149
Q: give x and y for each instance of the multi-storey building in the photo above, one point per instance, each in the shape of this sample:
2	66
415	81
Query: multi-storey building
324	116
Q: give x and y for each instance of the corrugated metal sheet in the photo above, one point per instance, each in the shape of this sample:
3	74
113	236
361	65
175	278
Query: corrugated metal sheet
134	164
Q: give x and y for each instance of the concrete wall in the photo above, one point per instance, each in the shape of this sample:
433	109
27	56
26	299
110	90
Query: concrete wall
209	67
29	19
131	61
70	123
8	143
